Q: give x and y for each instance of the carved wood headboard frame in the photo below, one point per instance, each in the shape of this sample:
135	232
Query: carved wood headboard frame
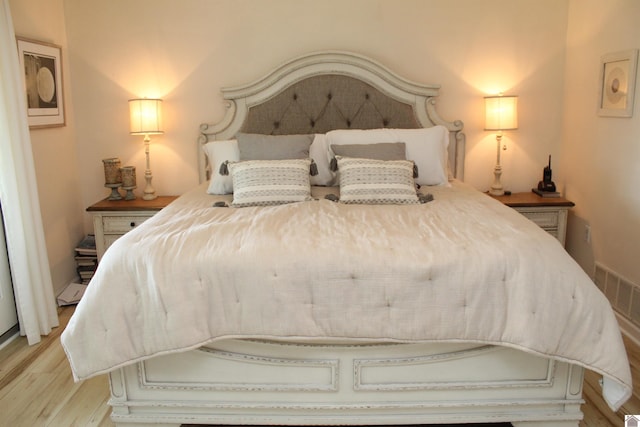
330	90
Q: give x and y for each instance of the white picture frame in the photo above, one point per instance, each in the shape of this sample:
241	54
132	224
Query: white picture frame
42	77
617	83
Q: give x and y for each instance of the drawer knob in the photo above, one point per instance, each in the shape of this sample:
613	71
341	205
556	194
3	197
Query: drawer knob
133	224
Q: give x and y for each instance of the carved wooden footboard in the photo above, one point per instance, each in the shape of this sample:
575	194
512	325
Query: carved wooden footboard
267	383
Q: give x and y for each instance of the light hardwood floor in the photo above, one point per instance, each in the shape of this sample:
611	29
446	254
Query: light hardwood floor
37	390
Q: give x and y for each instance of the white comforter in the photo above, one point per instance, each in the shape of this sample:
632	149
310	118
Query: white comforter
462	267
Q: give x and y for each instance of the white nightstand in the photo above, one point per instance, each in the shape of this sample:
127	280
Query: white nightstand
113	218
550	213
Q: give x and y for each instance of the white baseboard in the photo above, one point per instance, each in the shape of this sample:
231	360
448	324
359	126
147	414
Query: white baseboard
9	340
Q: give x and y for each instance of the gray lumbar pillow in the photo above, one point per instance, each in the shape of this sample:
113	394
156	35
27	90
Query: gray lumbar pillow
254	146
379	151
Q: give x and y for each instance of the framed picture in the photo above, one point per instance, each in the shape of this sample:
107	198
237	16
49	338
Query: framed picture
617	83
42	65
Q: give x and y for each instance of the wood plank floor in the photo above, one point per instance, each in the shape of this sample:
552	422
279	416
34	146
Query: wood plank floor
37	390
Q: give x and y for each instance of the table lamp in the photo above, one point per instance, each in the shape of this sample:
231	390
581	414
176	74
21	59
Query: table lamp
501	113
146	119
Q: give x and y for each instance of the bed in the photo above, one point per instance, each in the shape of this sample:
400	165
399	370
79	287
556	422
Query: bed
434	309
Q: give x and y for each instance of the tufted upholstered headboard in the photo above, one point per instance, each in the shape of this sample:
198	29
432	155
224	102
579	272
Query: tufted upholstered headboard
323	91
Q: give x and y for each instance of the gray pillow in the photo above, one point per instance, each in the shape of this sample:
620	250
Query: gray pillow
380	151
254	146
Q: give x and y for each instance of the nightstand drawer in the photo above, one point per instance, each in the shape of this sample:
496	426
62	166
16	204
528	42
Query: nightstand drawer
121	224
548	213
114	218
546	220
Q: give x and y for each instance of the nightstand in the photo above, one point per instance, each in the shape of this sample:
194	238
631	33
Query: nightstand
113	218
550	213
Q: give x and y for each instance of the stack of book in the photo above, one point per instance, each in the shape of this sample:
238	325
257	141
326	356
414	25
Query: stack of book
86	263
86	258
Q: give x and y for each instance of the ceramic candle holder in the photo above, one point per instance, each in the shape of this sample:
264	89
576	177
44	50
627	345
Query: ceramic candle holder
112	174
112	177
128	181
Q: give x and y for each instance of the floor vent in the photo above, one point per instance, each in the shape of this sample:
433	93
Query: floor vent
623	294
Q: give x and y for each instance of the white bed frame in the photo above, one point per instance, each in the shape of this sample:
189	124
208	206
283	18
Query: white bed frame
241	382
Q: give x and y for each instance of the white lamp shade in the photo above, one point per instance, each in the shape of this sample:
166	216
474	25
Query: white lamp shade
145	116
501	112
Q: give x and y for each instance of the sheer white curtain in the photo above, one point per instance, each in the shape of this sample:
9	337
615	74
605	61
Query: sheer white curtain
30	271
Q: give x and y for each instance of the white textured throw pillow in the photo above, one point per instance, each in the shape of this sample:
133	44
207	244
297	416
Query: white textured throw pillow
270	182
427	147
218	152
382	182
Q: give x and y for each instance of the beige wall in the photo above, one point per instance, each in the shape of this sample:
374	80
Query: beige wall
600	166
185	51
54	149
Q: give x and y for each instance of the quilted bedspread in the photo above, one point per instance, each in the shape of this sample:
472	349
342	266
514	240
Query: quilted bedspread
461	267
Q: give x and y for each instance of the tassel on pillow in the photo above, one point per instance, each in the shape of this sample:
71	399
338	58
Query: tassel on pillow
224	169
333	165
425	198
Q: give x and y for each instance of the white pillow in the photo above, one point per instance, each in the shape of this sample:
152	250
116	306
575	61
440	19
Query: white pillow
270	182
218	152
318	152
426	147
376	182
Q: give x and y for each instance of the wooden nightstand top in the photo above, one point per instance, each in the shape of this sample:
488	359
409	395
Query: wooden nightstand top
132	205
531	199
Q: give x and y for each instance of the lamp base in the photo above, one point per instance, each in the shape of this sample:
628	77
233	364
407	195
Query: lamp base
496	187
149	193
